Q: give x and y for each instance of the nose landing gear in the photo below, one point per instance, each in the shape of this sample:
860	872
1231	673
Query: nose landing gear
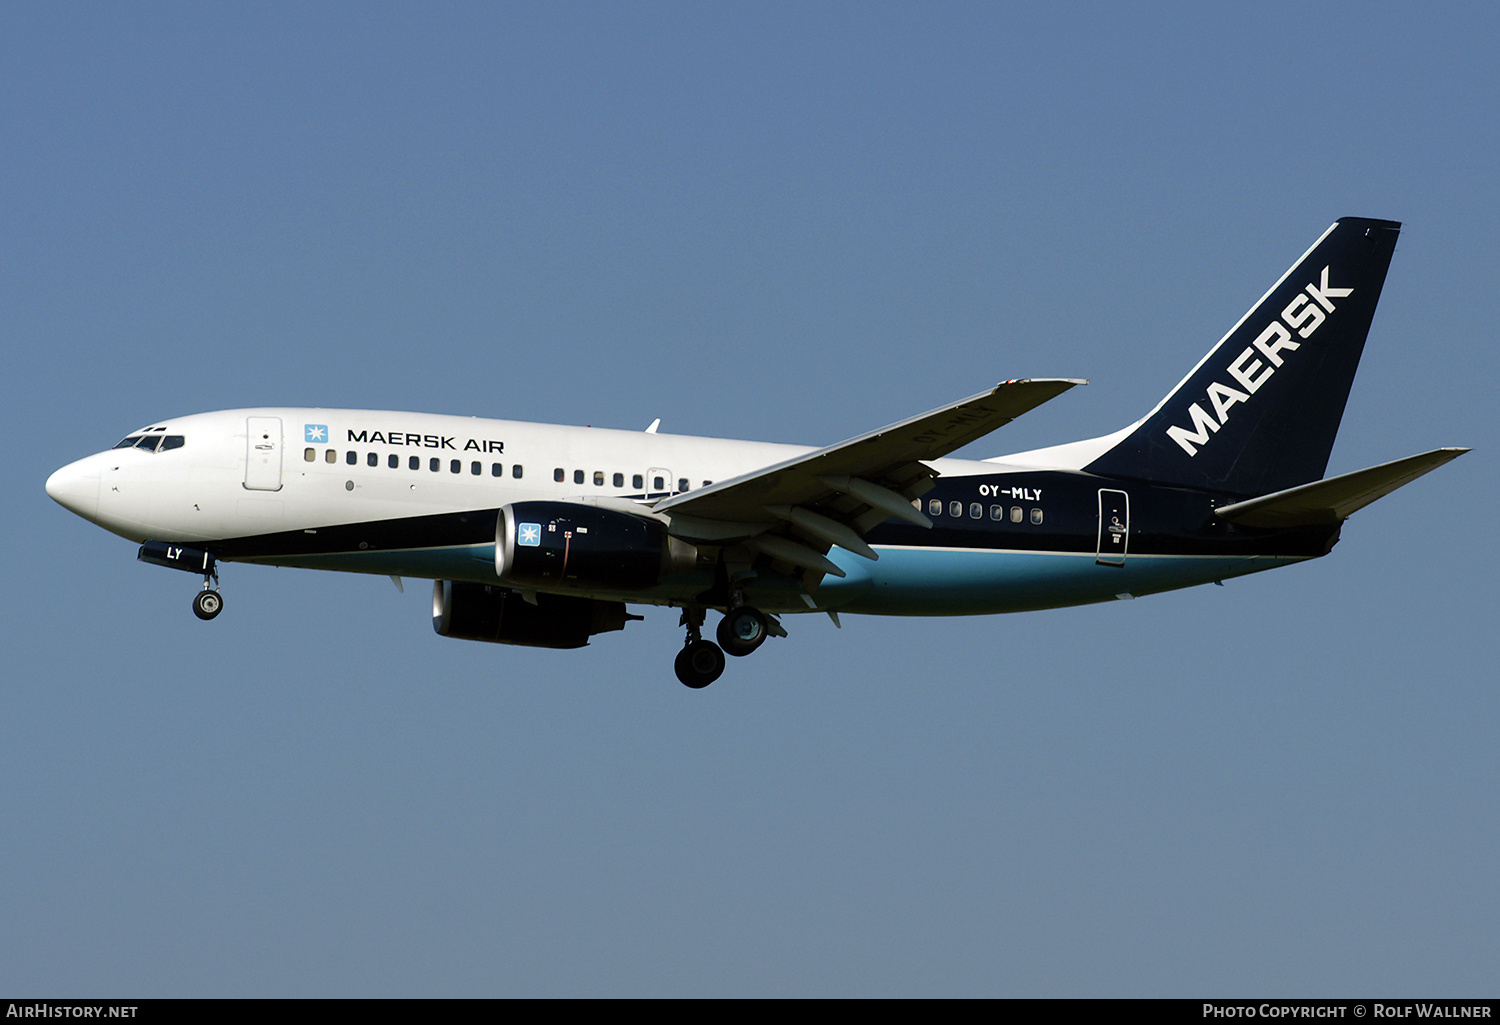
208	603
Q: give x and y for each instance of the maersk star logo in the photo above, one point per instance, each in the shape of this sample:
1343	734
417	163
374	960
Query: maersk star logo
529	535
317	433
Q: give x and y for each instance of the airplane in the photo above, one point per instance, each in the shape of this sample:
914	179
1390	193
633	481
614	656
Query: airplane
541	535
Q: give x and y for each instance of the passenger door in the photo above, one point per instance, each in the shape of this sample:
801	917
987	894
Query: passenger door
1114	527
263	453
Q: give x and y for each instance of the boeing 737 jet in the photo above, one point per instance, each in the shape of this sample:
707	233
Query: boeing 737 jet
543	535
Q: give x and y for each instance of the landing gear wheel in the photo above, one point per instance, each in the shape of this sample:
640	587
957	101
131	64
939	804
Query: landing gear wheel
742	630
699	664
207	604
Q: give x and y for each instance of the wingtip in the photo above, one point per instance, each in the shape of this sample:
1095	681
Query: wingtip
1069	381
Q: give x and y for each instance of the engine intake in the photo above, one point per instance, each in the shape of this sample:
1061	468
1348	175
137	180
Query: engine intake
485	612
565	545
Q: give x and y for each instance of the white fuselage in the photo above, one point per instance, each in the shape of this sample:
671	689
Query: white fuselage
216	484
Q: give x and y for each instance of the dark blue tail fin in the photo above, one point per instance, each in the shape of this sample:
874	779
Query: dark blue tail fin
1260	412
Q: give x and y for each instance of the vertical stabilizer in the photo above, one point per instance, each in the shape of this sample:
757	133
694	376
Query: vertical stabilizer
1260	412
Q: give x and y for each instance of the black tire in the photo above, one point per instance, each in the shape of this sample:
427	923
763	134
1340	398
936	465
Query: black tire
699	664
208	604
742	630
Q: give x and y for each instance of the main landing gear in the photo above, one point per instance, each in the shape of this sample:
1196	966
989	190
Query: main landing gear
741	631
700	662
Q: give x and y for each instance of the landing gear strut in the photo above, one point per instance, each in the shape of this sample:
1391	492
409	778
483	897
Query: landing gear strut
700	662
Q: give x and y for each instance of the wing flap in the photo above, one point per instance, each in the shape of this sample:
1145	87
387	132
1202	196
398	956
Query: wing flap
1334	499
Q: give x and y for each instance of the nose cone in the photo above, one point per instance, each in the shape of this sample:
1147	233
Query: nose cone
76	488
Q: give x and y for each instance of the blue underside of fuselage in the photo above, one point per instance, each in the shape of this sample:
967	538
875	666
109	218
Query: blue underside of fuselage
965	582
903	582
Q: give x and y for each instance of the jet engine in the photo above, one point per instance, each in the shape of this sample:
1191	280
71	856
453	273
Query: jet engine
563	544
485	612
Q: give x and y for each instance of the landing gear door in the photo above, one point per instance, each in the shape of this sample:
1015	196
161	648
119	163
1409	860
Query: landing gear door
263	453
1114	527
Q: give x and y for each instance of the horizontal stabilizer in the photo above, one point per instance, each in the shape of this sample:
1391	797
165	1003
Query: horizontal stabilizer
1334	499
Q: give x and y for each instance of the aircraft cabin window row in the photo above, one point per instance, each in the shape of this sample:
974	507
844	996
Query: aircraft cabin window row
976	511
434	464
637	480
476	468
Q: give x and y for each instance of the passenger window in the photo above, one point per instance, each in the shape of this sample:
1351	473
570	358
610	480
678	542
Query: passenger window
456	466
496	470
475	468
682	483
619	479
955	508
434	464
373	459
351	458
997	512
577	476
1036	516
1015	514
658	483
557	475
310	455
330	456
598	478
414	462
515	471
393	461
934	508
637	481
707	483
976	511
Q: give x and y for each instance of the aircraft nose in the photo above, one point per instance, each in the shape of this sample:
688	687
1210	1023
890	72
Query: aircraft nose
76	488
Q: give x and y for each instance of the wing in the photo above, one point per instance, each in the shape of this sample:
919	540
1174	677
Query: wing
793	511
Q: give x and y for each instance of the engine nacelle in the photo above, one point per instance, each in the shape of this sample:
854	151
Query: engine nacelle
563	544
487	612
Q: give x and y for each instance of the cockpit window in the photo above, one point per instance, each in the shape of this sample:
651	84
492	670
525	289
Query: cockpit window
153	442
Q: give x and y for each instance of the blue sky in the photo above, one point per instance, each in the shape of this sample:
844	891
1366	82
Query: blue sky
787	223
